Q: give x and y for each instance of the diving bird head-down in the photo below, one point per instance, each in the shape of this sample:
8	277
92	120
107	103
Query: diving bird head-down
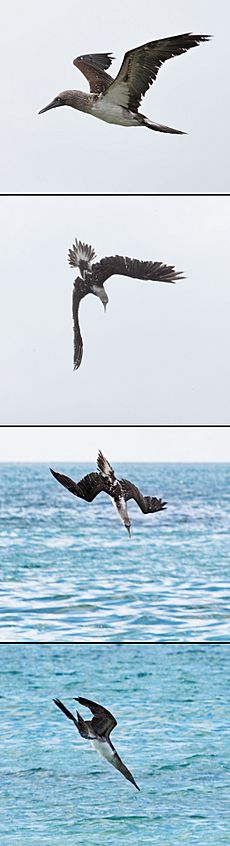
120	490
92	277
98	731
117	100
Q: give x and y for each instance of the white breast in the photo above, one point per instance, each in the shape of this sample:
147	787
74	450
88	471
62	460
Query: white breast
113	113
104	749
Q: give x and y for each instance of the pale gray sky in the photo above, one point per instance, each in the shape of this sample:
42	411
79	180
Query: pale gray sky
69	152
160	354
119	443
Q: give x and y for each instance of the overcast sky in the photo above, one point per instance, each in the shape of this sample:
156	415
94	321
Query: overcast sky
118	443
160	354
67	151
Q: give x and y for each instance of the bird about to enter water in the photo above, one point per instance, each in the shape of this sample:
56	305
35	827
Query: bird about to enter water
120	490
93	276
118	100
98	731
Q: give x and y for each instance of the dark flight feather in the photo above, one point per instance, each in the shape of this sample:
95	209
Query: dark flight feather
103	721
88	487
147	504
124	266
140	67
93	67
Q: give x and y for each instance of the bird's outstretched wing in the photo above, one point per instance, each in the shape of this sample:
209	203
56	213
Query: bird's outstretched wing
140	67
93	67
88	487
103	721
147	504
124	266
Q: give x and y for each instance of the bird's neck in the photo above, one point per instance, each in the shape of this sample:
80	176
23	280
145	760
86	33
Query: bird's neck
81	101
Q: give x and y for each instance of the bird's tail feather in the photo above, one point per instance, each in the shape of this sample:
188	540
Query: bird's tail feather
81	252
159	127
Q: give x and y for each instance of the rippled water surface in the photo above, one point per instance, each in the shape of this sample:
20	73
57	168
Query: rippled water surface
69	570
171	702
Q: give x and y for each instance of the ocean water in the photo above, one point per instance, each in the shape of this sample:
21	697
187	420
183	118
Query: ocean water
171	702
70	572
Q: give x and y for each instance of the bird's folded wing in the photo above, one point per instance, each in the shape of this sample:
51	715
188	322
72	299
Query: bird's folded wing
124	266
87	488
103	721
93	67
147	504
140	67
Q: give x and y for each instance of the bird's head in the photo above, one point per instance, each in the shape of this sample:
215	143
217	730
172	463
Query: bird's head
65	98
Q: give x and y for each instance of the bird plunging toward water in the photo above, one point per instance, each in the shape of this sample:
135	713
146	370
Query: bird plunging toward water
98	731
120	490
118	100
93	276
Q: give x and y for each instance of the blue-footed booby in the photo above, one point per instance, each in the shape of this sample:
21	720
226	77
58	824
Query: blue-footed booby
93	276
98	731
118	100
120	490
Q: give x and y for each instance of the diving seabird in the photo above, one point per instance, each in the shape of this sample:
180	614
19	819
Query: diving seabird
120	490
93	276
98	731
118	100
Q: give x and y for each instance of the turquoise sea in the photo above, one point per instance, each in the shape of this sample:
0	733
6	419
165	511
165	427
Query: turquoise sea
69	571
171	702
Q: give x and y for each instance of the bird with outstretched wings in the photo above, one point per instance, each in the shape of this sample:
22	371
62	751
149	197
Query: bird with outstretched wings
120	490
117	100
93	276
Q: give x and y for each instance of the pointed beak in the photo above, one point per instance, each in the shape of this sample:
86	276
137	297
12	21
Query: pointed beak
52	105
104	304
128	530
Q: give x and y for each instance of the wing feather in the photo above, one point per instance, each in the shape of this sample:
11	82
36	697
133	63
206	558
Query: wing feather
88	487
80	289
124	266
147	504
103	721
93	67
140	67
